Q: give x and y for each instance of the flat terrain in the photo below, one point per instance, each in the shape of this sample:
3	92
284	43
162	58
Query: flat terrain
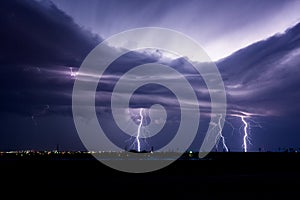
266	174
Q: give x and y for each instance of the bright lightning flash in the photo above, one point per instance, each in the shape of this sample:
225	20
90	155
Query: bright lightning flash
139	130
138	140
247	123
245	138
221	135
246	119
72	73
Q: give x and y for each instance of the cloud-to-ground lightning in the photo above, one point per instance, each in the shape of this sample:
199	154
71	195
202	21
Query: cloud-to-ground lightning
141	119
139	130
244	127
245	138
221	134
247	120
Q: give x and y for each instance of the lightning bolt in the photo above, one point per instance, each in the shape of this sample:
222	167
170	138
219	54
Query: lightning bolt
139	130
73	74
245	138
247	122
137	138
245	128
221	134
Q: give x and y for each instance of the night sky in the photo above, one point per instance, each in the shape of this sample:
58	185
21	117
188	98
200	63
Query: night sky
255	45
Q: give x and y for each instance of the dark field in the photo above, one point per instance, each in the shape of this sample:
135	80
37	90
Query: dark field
267	174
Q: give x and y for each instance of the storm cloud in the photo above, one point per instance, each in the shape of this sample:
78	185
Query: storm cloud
42	48
264	77
39	44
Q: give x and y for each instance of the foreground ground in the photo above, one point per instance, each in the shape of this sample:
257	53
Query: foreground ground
220	174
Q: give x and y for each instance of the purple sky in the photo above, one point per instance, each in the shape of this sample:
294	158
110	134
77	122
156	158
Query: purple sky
43	46
221	27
